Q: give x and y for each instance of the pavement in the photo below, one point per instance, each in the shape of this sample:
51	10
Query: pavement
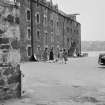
79	82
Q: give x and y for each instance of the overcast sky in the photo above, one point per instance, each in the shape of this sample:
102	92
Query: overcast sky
92	16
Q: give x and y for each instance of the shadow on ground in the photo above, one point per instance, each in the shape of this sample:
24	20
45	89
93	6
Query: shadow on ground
102	67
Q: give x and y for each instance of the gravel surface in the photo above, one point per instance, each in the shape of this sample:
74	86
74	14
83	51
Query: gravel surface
79	82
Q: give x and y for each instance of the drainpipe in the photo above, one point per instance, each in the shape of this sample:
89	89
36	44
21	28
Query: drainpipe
63	32
32	58
79	34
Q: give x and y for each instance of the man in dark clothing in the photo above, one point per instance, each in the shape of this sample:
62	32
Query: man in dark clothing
51	56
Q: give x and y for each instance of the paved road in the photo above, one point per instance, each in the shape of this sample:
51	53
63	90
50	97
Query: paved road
80	82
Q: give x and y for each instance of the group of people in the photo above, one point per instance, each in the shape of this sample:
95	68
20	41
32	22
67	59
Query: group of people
61	56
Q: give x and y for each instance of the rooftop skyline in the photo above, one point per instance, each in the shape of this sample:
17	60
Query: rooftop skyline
92	16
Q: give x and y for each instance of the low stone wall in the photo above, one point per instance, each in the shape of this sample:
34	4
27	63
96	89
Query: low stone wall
10	81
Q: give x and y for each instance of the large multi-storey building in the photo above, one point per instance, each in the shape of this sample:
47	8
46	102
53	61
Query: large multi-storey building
43	25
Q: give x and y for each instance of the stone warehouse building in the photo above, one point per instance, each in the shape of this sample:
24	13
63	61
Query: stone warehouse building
43	25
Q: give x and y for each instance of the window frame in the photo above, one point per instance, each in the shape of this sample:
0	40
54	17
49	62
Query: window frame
68	29
27	50
28	33
52	37
45	20
45	37
36	18
38	36
27	14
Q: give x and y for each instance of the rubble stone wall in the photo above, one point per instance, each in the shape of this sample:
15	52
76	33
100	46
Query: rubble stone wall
10	74
10	81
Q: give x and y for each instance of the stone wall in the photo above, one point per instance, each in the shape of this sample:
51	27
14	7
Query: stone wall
10	74
10	81
24	24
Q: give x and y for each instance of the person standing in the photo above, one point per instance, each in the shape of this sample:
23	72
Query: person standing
51	55
58	55
65	56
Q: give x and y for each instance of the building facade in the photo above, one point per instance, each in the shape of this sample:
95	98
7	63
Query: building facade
43	25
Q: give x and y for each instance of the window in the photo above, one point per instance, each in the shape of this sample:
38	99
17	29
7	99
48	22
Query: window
28	1
67	29
75	24
51	23
17	21
38	47
67	40
39	51
77	32
45	11
29	32
52	37
58	47
45	19
57	24
45	38
37	3
71	21
28	15
71	30
38	34
37	18
29	51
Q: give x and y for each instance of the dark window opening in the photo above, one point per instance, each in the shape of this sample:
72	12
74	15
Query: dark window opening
38	35
29	51
28	15
57	24
29	33
67	29
38	18
17	20
45	20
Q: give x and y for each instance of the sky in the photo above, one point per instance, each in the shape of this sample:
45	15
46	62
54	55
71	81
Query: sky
92	17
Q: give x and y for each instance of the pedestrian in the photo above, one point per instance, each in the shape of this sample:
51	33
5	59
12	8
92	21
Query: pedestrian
61	56
58	55
51	55
65	56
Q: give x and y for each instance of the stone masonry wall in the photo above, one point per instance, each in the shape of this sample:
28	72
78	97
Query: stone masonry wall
10	74
10	81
